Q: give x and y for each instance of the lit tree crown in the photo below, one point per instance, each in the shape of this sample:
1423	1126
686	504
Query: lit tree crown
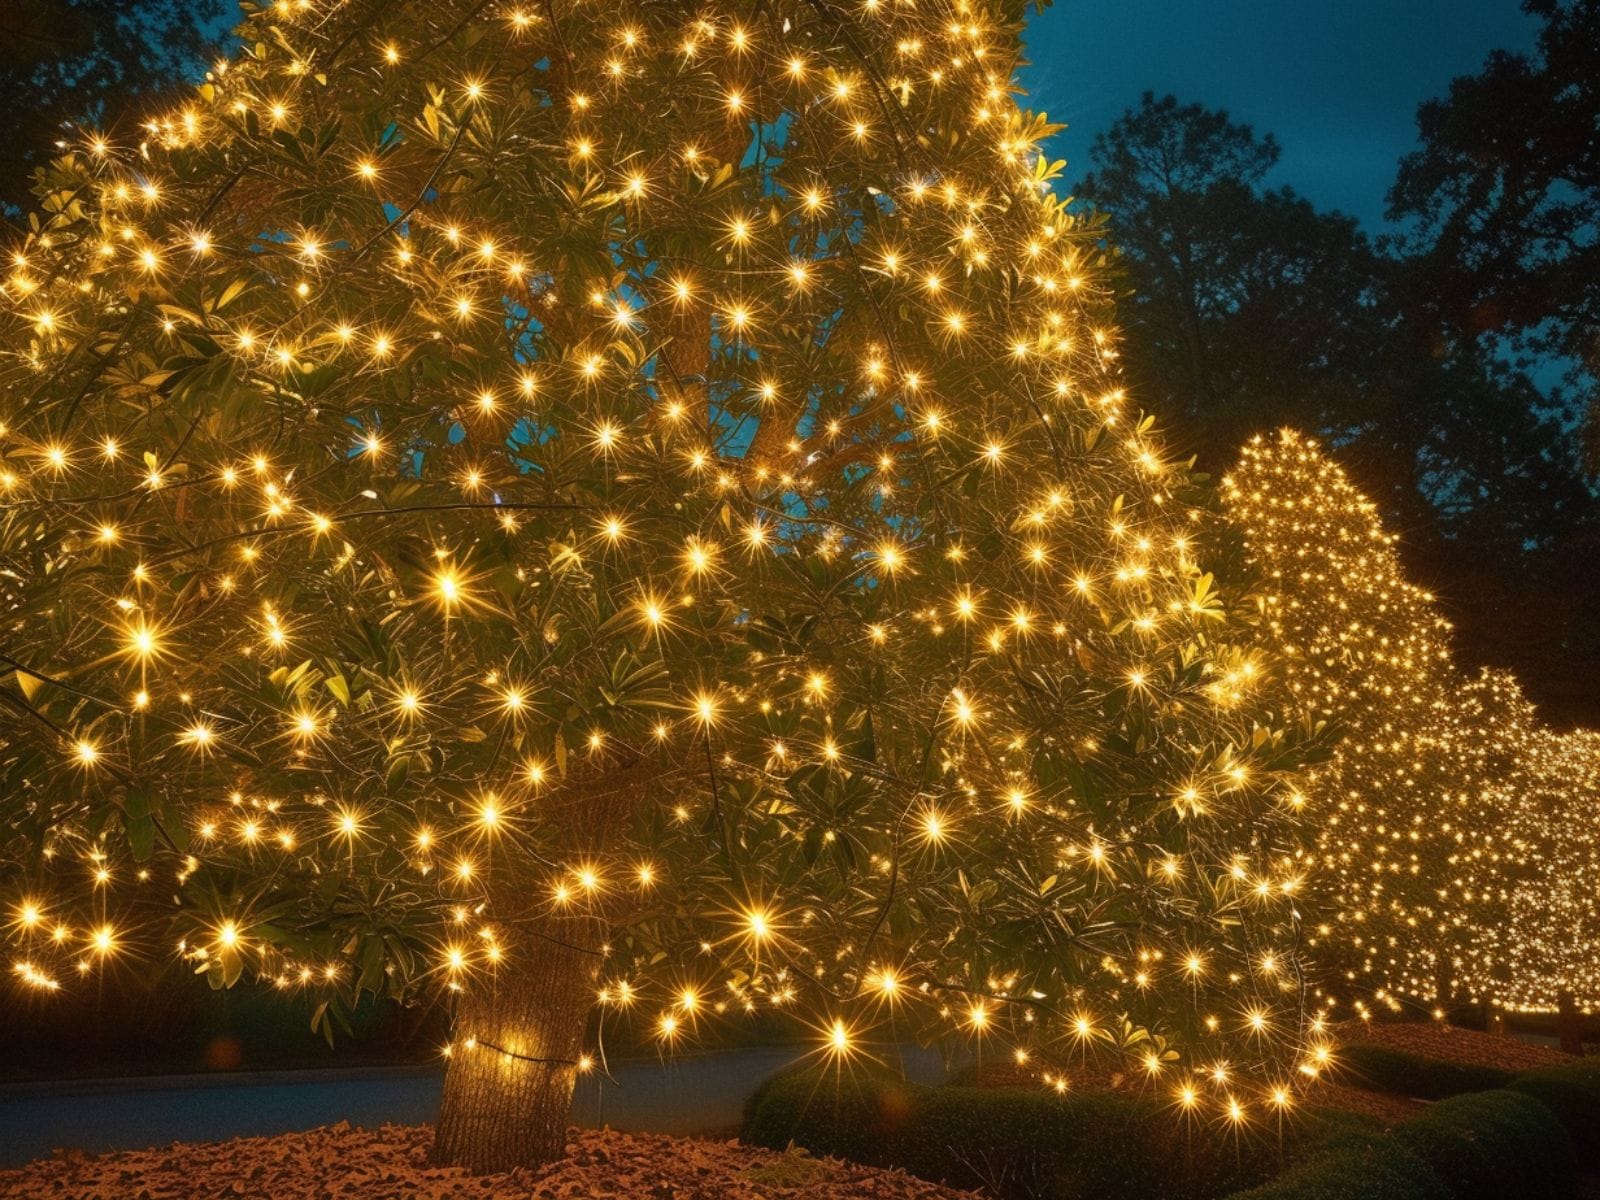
1456	832
456	419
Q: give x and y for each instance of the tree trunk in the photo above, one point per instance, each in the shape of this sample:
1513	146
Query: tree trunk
513	1065
1569	1024
519	1035
1443	978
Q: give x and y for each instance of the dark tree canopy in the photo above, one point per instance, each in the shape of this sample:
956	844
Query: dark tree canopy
1504	192
1249	309
68	61
1245	300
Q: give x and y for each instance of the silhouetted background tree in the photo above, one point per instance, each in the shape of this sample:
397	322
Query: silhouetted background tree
1452	363
1503	194
61	61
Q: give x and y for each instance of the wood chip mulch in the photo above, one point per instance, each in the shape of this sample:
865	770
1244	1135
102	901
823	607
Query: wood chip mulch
1382	1106
1435	1039
340	1162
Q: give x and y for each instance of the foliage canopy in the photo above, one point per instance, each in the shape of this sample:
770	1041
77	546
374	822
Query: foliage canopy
482	477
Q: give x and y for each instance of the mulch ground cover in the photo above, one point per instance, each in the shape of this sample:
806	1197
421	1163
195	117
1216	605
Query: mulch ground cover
1389	1109
340	1162
1435	1039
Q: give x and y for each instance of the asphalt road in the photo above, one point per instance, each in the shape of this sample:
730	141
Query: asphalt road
691	1095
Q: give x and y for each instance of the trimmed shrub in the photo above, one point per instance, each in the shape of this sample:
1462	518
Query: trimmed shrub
1479	1146
1385	1069
1572	1092
1028	1144
1460	1160
1321	1127
1019	1143
1488	1145
859	1116
1024	1143
1011	1142
1356	1169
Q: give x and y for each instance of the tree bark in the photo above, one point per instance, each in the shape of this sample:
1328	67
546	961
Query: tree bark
1569	1024
513	1065
1443	977
519	1035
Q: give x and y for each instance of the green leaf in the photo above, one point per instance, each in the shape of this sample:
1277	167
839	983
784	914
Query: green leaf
321	1024
139	824
31	685
339	687
371	966
169	816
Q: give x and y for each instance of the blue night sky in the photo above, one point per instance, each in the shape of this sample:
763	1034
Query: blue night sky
1338	81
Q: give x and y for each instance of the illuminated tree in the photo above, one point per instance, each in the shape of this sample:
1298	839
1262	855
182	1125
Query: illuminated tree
625	508
1456	832
1554	924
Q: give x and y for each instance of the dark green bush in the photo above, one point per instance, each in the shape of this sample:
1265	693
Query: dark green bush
1027	1144
1489	1145
1572	1092
856	1115
1355	1168
1320	1127
1022	1143
1011	1142
1384	1069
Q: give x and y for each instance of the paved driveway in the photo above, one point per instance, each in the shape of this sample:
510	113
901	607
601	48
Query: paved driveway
692	1095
